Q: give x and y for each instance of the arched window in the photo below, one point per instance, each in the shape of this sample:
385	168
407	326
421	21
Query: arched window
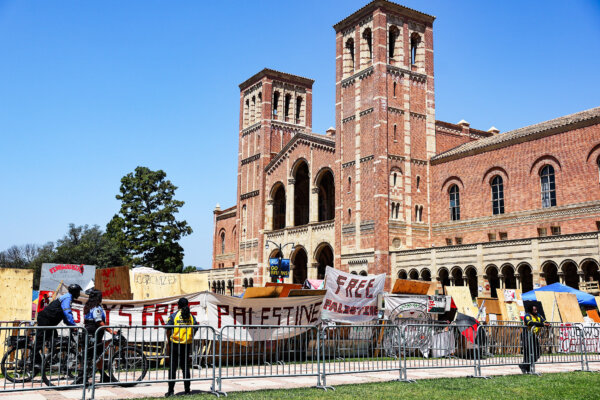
301	195
548	186
298	109
367	47
349	214
393	209
279	208
397	209
349	184
286	106
395	177
418	182
395	132
363	273
454	203
222	242
251	282
275	104
393	34
259	107
497	195
246	112
245	284
394	91
243	221
349	57
598	163
415	39
326	199
253	110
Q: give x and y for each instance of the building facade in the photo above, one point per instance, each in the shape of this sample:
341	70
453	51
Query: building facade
393	190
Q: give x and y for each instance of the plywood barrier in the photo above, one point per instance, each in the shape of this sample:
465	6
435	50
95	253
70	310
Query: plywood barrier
114	283
155	286
16	286
406	286
286	287
593	314
193	282
568	307
548	301
462	299
262	292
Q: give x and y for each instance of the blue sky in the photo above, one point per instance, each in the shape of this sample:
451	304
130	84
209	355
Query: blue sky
90	90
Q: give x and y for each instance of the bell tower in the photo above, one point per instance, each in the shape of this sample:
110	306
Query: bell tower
385	119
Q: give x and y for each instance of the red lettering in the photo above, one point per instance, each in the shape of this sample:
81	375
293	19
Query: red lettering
126	314
158	315
264	317
369	286
239	312
289	310
221	310
277	314
351	286
361	285
146	312
107	310
340	282
193	309
327	304
305	312
316	312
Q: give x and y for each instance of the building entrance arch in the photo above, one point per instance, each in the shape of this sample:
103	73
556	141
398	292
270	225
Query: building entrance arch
324	258
300	262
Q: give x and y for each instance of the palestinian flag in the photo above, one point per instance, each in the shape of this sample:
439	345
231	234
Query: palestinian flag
467	326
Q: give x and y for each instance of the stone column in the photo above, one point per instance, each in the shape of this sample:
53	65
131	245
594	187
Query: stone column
314	205
289	203
451	281
561	277
501	279
518	281
313	271
269	215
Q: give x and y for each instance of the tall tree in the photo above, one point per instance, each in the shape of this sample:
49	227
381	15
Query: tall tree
145	225
89	245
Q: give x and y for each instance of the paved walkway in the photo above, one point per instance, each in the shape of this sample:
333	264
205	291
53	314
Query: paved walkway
237	385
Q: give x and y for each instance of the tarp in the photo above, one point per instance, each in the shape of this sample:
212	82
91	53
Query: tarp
583	298
314	284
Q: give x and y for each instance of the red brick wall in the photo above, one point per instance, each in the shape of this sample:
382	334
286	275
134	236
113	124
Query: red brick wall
573	156
226	225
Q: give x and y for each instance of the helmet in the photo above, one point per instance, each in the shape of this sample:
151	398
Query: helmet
75	290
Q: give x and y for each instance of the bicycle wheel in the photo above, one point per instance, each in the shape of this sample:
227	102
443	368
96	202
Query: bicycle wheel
128	365
16	367
61	368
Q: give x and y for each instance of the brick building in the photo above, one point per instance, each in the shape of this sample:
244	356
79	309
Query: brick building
392	190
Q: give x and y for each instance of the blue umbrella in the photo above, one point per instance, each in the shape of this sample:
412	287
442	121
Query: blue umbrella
583	298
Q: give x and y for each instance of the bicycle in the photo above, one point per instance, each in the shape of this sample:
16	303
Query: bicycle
17	364
123	360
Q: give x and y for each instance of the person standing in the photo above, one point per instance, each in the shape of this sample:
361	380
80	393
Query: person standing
531	344
180	337
52	315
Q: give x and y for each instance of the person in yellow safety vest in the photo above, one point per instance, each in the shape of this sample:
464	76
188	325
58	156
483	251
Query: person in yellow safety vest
180	338
531	345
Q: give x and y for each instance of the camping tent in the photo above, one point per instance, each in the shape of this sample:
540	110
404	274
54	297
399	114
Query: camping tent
583	298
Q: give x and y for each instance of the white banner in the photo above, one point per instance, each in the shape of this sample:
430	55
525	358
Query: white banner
351	298
53	274
399	307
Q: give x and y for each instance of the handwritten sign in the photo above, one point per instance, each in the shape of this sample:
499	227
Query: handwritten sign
114	283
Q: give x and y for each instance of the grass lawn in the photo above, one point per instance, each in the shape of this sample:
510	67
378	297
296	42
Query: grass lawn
573	385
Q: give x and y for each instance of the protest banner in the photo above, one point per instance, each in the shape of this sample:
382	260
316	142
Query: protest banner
211	309
114	283
570	338
398	307
351	298
69	274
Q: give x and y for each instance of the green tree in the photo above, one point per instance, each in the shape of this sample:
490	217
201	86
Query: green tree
145	225
29	256
89	245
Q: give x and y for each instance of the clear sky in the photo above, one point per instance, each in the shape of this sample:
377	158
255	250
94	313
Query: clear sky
90	90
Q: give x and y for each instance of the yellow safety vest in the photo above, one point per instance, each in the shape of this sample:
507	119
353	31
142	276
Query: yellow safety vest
535	329
182	335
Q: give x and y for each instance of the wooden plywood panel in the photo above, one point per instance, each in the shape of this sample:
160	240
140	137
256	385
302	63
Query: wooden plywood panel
16	286
568	307
492	306
462	298
405	286
193	282
307	292
261	292
286	287
509	309
550	306
155	286
114	283
597	302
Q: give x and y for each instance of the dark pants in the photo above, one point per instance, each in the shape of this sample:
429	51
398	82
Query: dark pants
41	336
531	350
180	358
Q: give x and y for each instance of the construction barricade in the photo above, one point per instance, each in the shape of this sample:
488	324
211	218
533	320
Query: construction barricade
559	343
145	353
37	357
351	349
268	351
591	344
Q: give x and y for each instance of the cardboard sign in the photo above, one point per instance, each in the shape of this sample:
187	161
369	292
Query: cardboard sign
438	304
114	283
69	274
351	298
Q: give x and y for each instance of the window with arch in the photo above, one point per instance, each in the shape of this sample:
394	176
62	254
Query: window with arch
276	96
418	213
349	57
418	182
393	209
497	195
222	242
454	203
286	106
548	186
253	110
251	282
394	91
598	165
349	213
367	47
246	112
258	106
298	109
349	184
395	135
394	178
415	40
393	35
243	222
363	273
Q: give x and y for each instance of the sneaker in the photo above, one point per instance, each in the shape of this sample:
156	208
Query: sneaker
523	368
169	394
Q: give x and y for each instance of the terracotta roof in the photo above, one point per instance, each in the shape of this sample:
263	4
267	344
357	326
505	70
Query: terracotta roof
531	132
387	4
275	74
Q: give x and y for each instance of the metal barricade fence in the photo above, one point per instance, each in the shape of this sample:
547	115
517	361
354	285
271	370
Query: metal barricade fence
591	344
268	351
37	358
350	349
502	345
434	346
559	343
145	354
